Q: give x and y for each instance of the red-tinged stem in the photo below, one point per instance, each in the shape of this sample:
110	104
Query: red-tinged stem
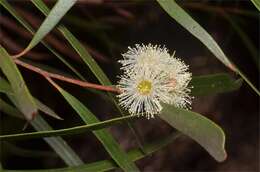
66	79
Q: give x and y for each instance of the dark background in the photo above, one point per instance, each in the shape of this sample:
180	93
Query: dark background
107	29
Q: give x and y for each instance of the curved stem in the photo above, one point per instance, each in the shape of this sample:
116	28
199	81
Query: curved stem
47	74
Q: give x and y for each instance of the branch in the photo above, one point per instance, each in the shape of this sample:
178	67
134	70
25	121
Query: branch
49	75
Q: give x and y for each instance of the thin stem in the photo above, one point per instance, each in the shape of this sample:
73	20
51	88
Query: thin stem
66	79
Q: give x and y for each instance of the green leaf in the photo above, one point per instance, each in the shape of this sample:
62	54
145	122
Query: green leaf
66	131
22	95
60	146
57	12
205	132
75	43
213	84
106	165
184	19
57	143
256	3
110	144
46	109
9	8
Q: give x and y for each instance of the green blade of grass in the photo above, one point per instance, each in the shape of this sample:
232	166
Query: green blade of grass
185	20
213	84
59	145
55	15
21	93
205	132
10	9
106	165
109	143
256	4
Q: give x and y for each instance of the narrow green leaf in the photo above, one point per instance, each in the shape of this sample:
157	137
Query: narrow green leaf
60	146
213	84
75	43
256	3
110	144
66	131
46	109
22	95
205	132
184	19
58	11
57	143
10	9
106	165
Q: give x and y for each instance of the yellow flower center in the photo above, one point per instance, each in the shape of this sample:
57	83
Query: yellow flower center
144	87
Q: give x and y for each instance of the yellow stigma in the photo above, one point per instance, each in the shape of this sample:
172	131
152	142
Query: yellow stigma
144	87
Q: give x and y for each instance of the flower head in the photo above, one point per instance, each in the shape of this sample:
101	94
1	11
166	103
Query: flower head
141	56
151	77
142	92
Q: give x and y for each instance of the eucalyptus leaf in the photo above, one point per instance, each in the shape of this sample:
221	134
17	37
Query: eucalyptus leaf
46	109
61	132
75	43
109	143
57	143
185	20
256	3
214	83
204	131
21	94
57	12
106	165
12	11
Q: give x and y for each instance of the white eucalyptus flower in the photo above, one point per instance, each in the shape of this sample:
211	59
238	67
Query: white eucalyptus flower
141	56
143	91
151	77
179	78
